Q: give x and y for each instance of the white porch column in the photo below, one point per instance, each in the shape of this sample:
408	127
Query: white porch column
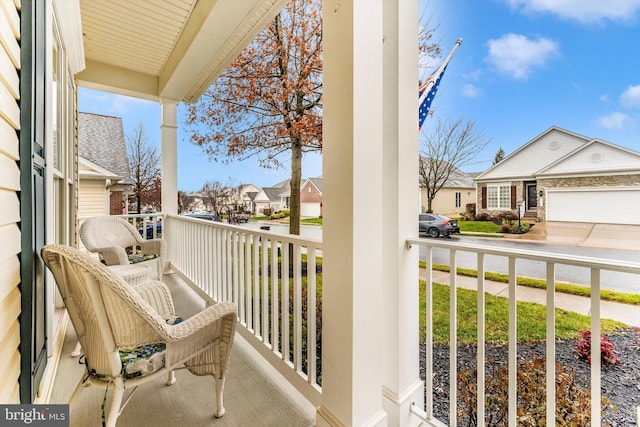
352	338
169	161
400	194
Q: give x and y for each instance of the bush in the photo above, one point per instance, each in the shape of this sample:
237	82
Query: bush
573	402
470	211
482	216
607	352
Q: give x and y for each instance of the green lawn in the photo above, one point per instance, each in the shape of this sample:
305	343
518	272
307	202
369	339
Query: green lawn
531	318
568	288
478	226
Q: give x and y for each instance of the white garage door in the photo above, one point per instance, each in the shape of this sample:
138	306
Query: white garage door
310	210
606	206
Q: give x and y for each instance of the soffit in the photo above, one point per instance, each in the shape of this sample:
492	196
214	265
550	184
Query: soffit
170	49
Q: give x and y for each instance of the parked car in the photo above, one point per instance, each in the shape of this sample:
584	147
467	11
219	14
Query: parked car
149	232
202	215
435	225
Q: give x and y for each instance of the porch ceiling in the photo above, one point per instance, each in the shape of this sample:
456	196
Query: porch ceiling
171	49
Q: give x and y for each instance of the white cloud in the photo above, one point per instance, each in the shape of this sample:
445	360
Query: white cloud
474	75
516	55
471	91
631	97
586	11
613	121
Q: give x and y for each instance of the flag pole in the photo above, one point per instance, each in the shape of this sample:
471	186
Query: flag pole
427	90
431	81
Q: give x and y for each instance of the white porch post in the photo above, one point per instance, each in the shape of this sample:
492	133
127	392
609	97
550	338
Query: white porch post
169	136
352	338
400	194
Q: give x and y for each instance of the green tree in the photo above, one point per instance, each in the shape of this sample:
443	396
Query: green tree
499	156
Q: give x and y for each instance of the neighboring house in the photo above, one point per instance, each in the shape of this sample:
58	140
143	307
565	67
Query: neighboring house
278	197
458	191
246	195
273	198
311	198
104	166
562	176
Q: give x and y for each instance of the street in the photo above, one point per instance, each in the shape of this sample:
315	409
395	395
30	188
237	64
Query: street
621	282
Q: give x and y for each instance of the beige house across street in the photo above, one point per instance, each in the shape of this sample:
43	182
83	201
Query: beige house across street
562	176
451	200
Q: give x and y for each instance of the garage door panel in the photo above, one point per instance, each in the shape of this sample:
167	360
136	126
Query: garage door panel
598	206
310	210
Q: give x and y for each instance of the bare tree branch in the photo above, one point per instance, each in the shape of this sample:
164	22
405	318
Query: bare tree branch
444	150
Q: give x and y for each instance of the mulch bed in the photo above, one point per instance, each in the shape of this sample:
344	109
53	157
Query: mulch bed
620	383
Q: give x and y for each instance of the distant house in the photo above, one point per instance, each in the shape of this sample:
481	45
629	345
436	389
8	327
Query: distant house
273	198
278	197
311	198
246	194
562	176
457	192
103	166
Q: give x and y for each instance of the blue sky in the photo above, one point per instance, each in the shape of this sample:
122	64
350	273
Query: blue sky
523	66
527	65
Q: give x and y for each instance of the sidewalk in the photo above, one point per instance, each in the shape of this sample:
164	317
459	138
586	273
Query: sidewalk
626	313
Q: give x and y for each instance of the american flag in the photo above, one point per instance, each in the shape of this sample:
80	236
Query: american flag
426	93
427	90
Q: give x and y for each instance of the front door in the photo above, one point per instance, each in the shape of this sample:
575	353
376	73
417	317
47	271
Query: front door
532	197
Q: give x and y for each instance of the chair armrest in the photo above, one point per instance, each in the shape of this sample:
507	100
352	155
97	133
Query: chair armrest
216	323
113	255
157	294
154	246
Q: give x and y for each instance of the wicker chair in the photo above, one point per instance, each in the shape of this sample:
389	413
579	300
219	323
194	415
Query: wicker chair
117	241
110	316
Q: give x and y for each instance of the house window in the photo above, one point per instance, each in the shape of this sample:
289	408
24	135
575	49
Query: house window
499	196
458	199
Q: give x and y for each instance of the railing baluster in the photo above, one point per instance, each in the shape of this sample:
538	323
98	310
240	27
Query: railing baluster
244	278
513	343
311	315
595	348
297	308
453	339
256	291
429	332
266	285
237	263
286	348
275	307
551	344
481	326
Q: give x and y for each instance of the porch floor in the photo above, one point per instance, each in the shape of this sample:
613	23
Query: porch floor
255	393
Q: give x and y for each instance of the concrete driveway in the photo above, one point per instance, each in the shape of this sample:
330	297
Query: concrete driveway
617	236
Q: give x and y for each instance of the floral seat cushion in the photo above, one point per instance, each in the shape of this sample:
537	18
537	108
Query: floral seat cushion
136	258
146	359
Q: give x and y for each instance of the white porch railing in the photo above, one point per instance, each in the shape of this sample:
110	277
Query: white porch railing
595	266
246	266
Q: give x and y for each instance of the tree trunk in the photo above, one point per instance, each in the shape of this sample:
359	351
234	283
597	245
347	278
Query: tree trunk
296	177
